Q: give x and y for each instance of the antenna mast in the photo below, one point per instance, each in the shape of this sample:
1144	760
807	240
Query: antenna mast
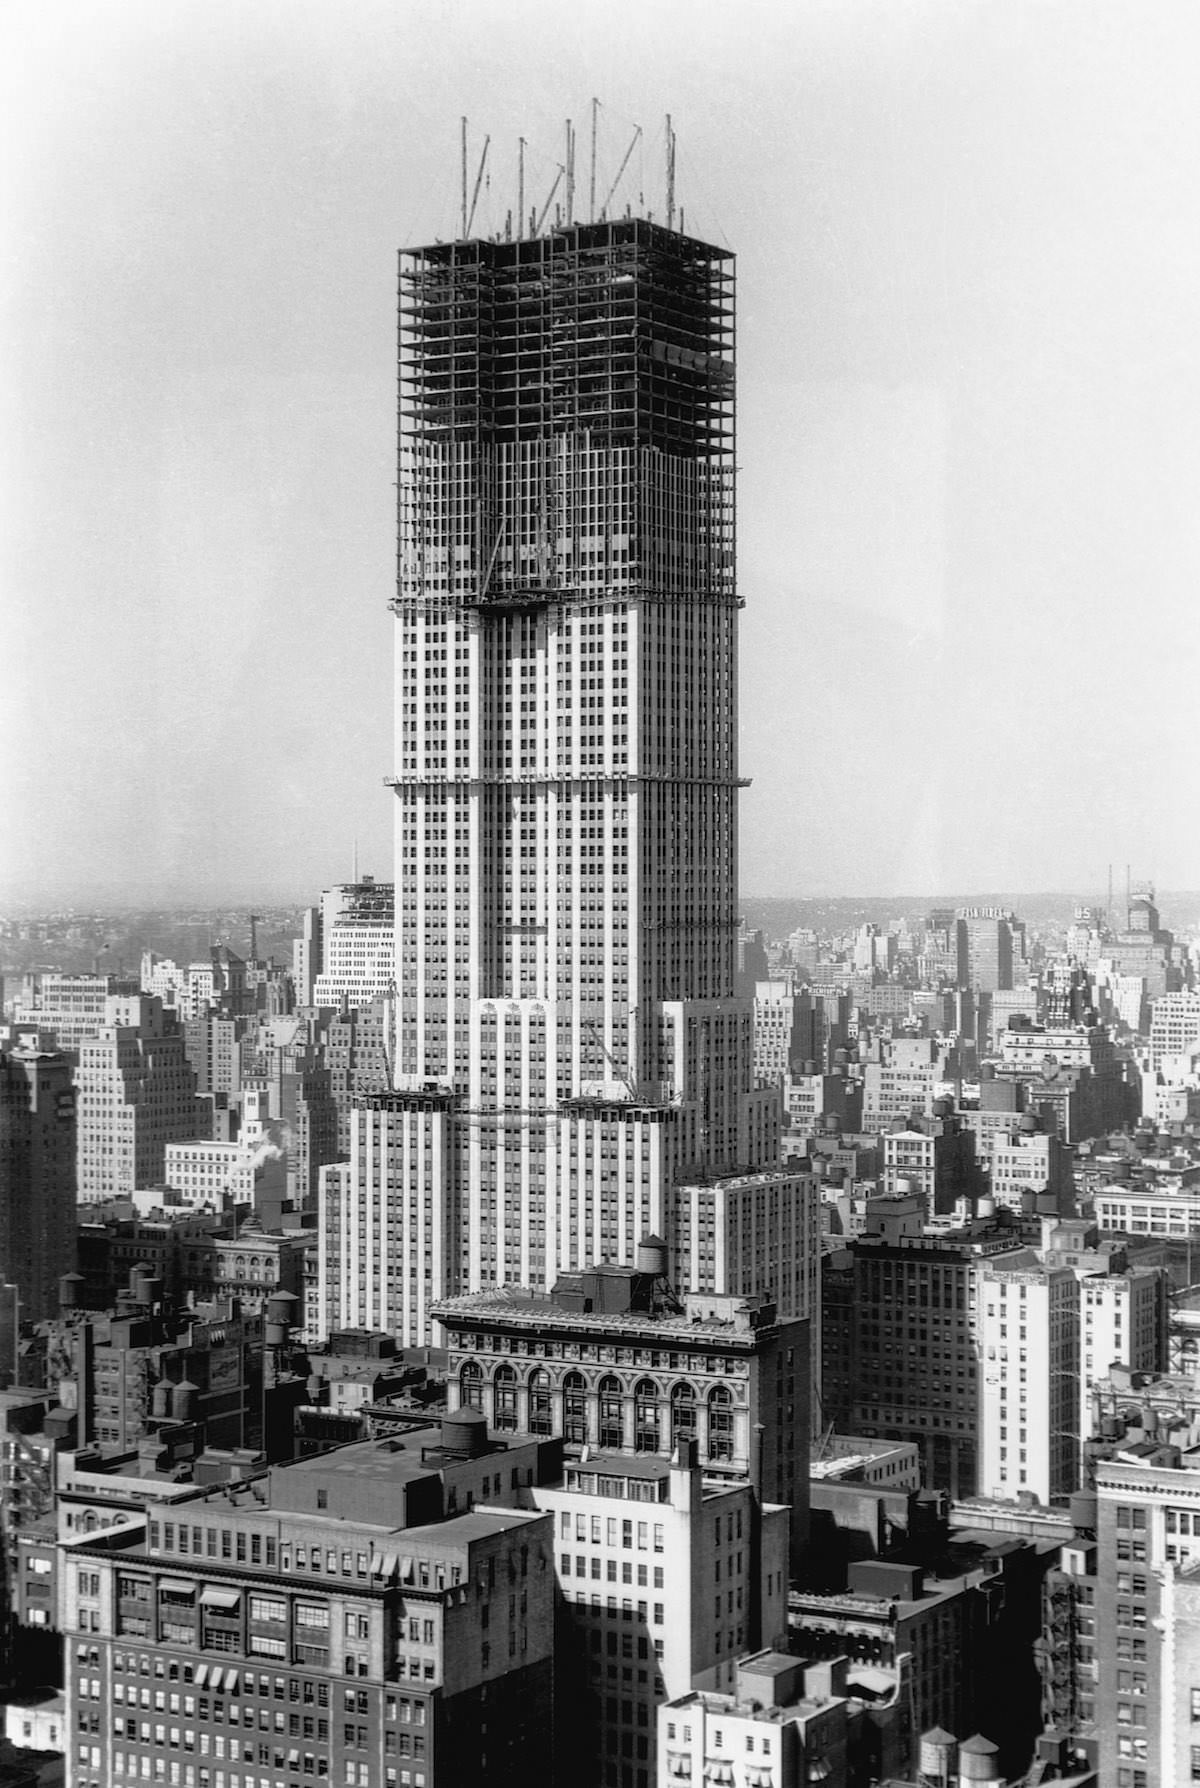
464	179
570	196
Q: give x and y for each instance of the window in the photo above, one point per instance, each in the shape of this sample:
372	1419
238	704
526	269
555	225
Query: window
720	1424
575	1407
269	1608
539	1401
505	1388
612	1413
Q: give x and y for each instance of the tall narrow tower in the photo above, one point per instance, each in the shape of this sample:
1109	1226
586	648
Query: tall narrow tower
566	748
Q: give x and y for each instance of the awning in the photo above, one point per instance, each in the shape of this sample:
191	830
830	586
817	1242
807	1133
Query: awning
406	1570
231	1682
201	1675
220	1598
176	1586
214	1681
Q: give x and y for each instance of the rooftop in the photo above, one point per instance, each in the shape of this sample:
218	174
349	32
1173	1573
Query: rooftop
537	1310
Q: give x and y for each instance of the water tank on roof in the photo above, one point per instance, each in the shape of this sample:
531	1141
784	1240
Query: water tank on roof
161	1402
937	1754
1029	1123
978	1760
141	1283
985	1206
69	1288
464	1434
281	1314
184	1400
810	1067
651	1256
943	1108
1083	1511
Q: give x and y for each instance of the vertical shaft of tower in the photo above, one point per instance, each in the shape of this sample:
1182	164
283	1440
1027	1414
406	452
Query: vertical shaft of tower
566	776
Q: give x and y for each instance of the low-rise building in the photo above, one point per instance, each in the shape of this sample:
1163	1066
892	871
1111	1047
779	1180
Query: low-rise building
613	1359
667	1577
362	1618
782	1726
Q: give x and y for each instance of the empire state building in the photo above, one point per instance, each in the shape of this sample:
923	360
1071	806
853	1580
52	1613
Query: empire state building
567	1044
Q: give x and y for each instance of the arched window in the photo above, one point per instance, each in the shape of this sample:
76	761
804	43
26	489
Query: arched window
470	1386
645	1416
720	1424
683	1413
506	1398
612	1413
575	1407
539	1401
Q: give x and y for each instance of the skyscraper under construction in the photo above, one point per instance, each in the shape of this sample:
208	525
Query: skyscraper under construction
568	1045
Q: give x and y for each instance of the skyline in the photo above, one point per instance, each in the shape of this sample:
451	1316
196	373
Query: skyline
966	355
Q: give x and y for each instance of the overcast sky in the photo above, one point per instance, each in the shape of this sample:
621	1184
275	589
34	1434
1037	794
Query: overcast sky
969	409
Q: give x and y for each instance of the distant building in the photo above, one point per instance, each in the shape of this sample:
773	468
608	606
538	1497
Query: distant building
751	1233
71	1007
1174	1025
137	1092
37	1177
897	1282
217	983
307	956
900	1078
213	1042
356	1048
386	1251
1072	1075
1030	1403
1025	1157
936	1159
987	948
358	953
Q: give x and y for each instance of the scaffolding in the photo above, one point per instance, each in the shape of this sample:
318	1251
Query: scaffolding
567	418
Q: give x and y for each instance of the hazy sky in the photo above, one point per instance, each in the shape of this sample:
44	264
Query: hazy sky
969	407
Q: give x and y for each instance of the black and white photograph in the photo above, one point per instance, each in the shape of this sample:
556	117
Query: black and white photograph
599	894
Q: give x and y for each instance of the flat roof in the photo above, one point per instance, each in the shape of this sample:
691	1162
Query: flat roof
621	1465
537	1310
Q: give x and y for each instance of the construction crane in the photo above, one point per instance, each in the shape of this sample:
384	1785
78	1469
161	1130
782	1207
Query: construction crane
620	1074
